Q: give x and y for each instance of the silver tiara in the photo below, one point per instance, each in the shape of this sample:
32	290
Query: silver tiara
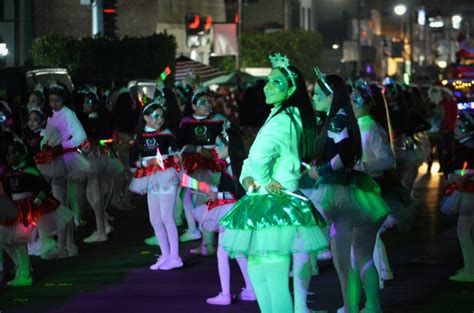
281	61
54	85
37	110
38	88
198	91
322	78
158	99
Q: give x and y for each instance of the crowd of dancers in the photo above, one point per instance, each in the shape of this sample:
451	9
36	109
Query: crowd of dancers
326	174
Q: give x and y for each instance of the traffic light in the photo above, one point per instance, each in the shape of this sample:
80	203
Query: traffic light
110	18
198	27
193	23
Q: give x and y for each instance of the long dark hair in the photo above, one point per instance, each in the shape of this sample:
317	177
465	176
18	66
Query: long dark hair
61	91
24	152
379	110
340	100
141	121
300	99
236	148
399	110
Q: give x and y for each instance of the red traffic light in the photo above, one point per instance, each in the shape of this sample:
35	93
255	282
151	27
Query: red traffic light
208	24
109	11
195	23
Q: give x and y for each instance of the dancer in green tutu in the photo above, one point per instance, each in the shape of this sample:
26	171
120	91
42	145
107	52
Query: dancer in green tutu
271	222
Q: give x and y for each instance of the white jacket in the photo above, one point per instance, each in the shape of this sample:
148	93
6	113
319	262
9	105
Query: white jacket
274	153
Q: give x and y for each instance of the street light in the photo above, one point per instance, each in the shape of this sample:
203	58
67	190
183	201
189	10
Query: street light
456	20
335	46
3	49
400	9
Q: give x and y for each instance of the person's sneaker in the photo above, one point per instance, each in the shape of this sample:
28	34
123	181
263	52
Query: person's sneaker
95	237
79	222
386	275
462	276
33	247
158	263
47	245
58	253
190	235
171	263
21	281
151	241
108	229
204	250
246	295
325	255
220	299
72	251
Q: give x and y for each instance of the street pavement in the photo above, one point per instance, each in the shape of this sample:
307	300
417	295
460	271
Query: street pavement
114	276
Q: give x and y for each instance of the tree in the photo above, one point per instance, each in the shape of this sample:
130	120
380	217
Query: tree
106	59
303	48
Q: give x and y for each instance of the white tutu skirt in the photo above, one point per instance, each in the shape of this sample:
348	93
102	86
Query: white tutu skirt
70	165
458	203
15	234
363	206
159	182
52	223
209	219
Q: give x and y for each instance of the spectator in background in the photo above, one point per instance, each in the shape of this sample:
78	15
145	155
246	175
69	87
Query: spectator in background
450	112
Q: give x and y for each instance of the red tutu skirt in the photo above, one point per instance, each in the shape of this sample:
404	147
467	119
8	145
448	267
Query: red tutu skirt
196	161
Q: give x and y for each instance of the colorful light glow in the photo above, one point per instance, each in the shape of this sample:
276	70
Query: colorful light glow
464	167
192	183
165	73
159	159
109	11
465	105
208	24
105	141
195	23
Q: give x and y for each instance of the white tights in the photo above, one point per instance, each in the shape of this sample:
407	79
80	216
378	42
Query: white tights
19	255
362	241
465	231
160	208
302	272
60	188
270	278
380	257
188	206
224	269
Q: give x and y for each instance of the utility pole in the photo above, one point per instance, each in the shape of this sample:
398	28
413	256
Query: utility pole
97	18
410	24
359	49
239	35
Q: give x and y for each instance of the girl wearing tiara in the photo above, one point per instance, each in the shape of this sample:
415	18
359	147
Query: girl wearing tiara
197	135
61	160
377	155
349	199
272	223
33	136
156	176
229	147
97	186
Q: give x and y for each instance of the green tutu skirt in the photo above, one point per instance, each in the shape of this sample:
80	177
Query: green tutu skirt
262	225
359	197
